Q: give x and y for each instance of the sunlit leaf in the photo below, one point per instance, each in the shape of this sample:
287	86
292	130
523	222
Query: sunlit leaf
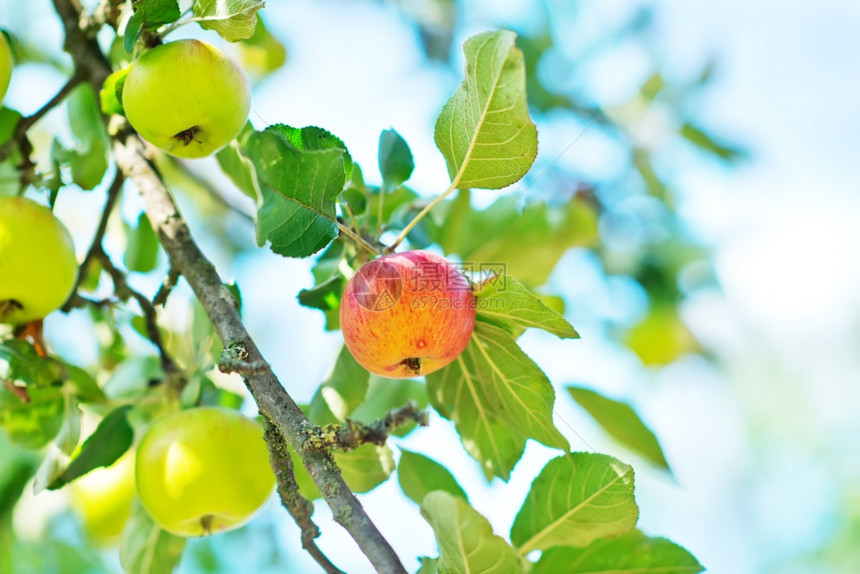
110	95
262	53
465	538
236	166
576	499
497	397
506	303
525	241
383	395
395	160
141	253
484	130
111	439
622	423
345	387
420	475
631	553
701	139
234	20
661	337
363	469
147	549
87	158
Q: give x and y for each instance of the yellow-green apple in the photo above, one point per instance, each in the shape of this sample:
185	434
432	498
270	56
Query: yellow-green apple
103	499
38	268
407	314
186	97
203	470
6	65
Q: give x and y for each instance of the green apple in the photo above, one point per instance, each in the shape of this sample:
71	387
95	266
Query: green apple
6	65
103	499
38	268
407	314
203	470
186	97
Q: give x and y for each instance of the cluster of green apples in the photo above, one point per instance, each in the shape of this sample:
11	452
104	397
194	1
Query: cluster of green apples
197	472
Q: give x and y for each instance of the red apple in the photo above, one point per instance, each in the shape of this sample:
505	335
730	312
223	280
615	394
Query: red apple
407	314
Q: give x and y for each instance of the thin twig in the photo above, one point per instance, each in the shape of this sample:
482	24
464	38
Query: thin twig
357	238
113	194
351	434
270	395
166	287
150	315
299	507
219	304
26	122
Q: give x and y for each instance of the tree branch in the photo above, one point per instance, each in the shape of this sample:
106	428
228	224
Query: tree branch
298	506
272	400
187	259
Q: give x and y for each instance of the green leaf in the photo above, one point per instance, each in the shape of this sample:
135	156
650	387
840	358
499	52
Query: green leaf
17	468
328	285
701	139
395	160
234	20
262	53
34	423
465	538
20	364
8	122
484	130
661	337
299	191
383	395
236	166
363	469
88	158
111	439
84	386
576	499
147	549
141	253
346	386
622	423
325	296
149	15
631	553
110	96
313	138
497	397
527	242
428	565
506	303
419	475
132	377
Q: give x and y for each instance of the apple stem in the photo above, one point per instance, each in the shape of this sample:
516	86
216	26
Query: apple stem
413	364
206	523
187	136
357	238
